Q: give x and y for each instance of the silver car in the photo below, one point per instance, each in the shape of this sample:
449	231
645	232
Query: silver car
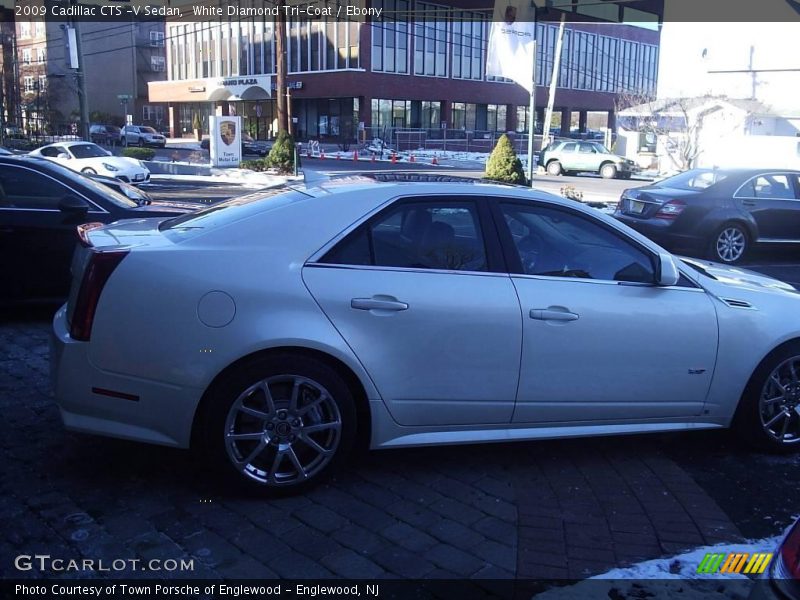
292	325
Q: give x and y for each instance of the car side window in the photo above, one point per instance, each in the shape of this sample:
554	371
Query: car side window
559	243
24	188
570	147
586	149
773	186
51	152
417	235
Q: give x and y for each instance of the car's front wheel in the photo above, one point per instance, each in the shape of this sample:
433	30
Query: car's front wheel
730	244
280	423
554	168
608	171
89	171
769	412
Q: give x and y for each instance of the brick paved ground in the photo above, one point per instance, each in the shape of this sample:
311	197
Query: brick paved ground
553	509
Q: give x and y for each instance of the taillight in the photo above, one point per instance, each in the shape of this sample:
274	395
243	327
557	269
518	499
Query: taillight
83	233
95	276
786	568
671	209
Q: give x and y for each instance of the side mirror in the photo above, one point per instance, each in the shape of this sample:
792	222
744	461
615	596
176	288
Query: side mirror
63	155
668	273
73	205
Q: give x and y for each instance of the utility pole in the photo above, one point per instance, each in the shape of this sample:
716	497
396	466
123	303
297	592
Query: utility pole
80	74
532	118
548	117
280	67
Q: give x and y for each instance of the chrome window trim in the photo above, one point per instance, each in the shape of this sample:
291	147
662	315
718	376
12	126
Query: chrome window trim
319	265
609	282
776	241
100	209
788	176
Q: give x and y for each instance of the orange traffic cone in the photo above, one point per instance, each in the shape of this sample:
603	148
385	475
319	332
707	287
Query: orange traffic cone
434	161
394	158
412	159
373	157
338	156
322	154
355	154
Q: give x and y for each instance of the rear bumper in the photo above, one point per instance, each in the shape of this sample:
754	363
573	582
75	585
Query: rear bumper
660	232
142	410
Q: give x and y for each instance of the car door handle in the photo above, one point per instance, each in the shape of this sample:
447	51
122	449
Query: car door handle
748	202
548	314
377	304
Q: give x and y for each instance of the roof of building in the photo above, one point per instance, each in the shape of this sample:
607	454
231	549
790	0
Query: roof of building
677	106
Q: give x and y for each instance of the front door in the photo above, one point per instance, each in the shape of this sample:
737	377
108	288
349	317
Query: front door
600	341
432	319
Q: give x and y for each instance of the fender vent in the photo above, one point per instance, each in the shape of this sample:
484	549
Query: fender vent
732	302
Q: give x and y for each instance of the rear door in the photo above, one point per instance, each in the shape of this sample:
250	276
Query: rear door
773	201
420	295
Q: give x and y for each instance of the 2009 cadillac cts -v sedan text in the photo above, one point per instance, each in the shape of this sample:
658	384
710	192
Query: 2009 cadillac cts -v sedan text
277	330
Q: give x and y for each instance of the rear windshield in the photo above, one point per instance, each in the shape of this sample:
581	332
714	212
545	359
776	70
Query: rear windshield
693	180
232	210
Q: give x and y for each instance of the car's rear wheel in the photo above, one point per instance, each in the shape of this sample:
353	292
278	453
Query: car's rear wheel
608	171
730	244
89	171
554	168
280	424
769	413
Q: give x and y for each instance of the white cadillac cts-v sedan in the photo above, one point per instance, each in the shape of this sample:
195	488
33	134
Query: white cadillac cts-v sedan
279	329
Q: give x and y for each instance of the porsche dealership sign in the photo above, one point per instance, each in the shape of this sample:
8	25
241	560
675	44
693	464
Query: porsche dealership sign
226	141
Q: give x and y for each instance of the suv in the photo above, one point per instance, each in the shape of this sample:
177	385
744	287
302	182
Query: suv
105	134
142	135
568	155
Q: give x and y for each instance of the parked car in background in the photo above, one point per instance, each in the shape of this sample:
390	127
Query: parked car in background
292	323
91	159
41	205
142	198
15	133
718	213
781	581
567	156
142	135
5	152
105	134
249	145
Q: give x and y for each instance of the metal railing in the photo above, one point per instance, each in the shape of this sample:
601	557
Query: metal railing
405	139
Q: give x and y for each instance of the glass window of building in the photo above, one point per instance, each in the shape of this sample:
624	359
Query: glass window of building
496	117
390	37
430	40
470	37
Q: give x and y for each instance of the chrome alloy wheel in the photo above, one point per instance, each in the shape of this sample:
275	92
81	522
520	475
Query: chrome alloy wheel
282	430
779	405
730	244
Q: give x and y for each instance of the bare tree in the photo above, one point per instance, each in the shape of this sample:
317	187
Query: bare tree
677	123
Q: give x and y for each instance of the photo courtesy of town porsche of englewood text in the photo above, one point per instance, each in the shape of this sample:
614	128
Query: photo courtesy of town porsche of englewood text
400	299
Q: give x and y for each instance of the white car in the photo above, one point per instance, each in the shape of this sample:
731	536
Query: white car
91	159
291	325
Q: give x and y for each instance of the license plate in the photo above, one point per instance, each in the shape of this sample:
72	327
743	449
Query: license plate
139	177
636	207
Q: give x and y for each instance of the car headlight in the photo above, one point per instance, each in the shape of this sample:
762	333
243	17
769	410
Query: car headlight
109	167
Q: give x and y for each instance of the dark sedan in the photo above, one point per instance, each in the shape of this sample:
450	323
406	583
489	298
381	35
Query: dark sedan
41	205
719	213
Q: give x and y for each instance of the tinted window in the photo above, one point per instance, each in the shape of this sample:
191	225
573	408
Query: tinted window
87	151
23	188
52	151
693	180
768	186
559	243
587	149
417	236
570	148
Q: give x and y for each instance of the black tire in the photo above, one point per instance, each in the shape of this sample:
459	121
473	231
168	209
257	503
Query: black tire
554	168
729	244
140	143
752	420
608	171
287	433
89	171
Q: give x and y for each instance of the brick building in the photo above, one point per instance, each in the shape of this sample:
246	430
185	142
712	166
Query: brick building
419	69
